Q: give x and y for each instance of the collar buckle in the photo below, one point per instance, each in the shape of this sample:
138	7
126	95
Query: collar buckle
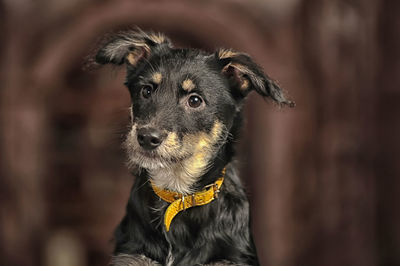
216	190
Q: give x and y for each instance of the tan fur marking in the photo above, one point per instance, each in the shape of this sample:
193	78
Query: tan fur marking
216	131
226	53
255	79
131	59
157	77
198	163
243	70
188	85
171	142
134	56
157	37
245	84
171	147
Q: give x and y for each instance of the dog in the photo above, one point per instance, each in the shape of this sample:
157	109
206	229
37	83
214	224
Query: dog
187	205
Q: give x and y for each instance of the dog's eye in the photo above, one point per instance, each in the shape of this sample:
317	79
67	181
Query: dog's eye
195	101
147	90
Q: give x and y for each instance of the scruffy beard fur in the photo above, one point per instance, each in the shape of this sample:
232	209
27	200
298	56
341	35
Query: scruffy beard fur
177	164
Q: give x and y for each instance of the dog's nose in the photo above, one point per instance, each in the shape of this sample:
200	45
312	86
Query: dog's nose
149	138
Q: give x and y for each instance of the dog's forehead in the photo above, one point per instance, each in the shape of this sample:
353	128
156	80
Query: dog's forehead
184	55
178	65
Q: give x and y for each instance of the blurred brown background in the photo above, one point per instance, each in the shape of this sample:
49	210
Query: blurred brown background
323	178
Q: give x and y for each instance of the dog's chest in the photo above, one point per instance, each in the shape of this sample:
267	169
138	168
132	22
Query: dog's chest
170	258
175	238
159	212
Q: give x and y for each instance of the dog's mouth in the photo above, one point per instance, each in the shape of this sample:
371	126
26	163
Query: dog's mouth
154	155
152	160
171	151
195	148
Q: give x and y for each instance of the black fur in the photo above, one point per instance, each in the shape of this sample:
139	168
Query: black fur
214	234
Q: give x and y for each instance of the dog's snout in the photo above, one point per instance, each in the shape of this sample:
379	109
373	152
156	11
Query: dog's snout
149	138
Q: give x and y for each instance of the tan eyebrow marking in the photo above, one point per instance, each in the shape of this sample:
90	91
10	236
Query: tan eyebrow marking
226	53
157	77
157	37
245	84
188	85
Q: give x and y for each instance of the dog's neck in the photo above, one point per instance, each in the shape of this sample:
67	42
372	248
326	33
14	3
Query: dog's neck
178	179
190	176
175	178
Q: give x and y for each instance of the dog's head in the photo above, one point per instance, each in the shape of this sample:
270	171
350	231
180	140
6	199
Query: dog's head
184	102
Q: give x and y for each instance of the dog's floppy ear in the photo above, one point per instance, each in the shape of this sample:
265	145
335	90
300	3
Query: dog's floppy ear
244	76
129	47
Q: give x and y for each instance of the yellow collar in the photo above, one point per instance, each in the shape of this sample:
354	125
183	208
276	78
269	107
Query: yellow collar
180	202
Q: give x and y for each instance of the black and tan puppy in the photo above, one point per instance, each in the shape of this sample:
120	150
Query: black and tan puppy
187	205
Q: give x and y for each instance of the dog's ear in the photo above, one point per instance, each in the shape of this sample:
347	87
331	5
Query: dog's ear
129	47
244	76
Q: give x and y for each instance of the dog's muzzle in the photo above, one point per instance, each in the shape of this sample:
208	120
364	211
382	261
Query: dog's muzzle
150	138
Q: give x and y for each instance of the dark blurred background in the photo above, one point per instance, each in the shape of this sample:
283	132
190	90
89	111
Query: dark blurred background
323	178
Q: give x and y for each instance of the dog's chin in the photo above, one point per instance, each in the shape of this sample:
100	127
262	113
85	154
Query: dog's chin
151	160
